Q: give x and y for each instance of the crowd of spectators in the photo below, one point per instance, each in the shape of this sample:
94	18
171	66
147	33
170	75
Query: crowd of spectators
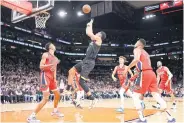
20	81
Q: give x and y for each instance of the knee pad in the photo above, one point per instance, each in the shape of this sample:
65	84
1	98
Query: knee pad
158	98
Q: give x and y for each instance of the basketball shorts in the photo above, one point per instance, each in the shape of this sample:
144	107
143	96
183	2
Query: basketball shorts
85	67
47	83
124	83
167	88
146	81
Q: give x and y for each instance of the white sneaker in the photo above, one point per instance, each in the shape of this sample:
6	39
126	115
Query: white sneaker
32	120
57	113
93	102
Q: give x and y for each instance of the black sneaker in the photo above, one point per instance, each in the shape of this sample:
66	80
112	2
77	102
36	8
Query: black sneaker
154	106
74	103
93	102
79	106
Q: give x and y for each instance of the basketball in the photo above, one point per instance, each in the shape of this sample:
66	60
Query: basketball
86	9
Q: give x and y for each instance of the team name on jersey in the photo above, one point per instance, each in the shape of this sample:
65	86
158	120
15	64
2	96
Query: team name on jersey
120	71
161	73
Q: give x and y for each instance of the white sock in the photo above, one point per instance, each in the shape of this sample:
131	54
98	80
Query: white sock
78	97
33	114
129	93
55	110
141	116
121	93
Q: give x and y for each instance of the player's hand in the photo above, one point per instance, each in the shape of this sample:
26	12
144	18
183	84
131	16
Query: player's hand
166	84
90	23
114	79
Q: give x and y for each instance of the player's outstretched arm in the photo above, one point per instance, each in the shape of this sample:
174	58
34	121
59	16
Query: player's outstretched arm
89	30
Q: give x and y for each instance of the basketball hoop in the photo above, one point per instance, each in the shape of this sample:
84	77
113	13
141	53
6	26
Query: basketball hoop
41	19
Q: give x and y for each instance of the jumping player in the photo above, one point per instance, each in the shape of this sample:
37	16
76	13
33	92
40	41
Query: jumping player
123	80
164	80
148	81
48	66
88	63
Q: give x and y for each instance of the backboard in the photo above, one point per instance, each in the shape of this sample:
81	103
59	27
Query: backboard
37	7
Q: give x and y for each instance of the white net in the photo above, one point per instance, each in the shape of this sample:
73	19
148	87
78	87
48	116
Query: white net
41	19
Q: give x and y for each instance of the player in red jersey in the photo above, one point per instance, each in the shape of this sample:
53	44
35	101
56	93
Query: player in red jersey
79	90
48	66
148	81
164	80
123	81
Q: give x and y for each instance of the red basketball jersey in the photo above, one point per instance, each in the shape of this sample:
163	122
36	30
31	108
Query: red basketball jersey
145	62
119	72
162	72
50	60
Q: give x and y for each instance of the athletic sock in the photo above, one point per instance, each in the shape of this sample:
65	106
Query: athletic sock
55	110
122	106
33	115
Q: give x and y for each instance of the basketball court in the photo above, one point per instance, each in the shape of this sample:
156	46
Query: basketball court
104	111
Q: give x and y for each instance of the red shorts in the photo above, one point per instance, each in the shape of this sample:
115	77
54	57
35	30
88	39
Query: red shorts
147	82
124	84
47	83
168	88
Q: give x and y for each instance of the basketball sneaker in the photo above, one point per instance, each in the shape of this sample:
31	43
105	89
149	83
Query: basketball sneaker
57	113
121	110
173	120
174	106
157	106
32	119
77	105
140	121
93	102
74	103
